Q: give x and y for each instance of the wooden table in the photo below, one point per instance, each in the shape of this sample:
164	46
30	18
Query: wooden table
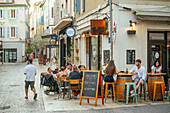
122	78
153	77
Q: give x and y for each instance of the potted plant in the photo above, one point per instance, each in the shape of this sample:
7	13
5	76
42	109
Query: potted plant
77	58
39	44
76	49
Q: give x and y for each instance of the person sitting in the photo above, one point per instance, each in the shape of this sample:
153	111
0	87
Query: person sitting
62	72
49	71
75	75
69	69
156	68
82	68
110	71
140	73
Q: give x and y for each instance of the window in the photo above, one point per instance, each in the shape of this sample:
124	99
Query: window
77	6
0	13
52	12
12	13
12	31
0	31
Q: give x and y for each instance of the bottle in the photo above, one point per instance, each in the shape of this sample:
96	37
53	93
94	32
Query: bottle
126	70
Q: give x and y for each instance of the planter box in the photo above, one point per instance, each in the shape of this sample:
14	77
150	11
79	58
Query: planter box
41	58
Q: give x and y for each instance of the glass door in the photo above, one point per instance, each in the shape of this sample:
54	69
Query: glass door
168	54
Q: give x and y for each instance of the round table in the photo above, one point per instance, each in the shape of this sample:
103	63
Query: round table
122	78
155	77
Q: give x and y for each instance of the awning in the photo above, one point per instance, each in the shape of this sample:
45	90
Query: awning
62	23
153	15
47	36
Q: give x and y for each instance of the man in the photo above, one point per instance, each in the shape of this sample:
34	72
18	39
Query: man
140	73
70	68
30	72
75	75
82	68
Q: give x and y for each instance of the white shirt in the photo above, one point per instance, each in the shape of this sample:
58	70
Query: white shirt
30	71
155	69
141	72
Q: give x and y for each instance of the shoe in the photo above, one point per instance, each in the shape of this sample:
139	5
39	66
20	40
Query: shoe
35	96
132	95
26	97
131	92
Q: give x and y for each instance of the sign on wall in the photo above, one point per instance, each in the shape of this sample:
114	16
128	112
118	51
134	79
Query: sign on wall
98	27
70	32
130	56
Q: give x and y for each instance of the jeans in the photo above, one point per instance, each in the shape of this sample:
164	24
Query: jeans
109	79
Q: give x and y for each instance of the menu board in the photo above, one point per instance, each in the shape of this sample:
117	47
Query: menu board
106	56
90	84
130	57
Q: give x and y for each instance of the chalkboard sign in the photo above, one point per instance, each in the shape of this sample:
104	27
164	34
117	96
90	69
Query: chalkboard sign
130	57
91	86
106	56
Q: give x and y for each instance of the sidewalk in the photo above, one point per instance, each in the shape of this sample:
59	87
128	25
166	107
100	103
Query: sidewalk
52	103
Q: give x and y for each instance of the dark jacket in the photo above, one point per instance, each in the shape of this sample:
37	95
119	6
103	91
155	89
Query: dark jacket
75	75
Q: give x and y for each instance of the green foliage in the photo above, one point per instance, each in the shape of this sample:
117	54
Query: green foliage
29	50
39	44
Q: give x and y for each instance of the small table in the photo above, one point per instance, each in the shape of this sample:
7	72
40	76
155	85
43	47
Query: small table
155	77
122	78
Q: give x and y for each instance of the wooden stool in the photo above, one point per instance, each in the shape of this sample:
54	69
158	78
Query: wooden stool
127	96
158	83
106	88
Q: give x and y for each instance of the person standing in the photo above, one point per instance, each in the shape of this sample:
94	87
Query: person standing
140	73
32	56
30	71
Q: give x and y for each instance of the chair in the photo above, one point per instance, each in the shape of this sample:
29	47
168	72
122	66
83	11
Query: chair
154	93
127	95
169	90
144	88
43	73
75	84
106	88
63	87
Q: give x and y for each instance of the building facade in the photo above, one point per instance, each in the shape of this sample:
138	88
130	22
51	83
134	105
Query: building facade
14	29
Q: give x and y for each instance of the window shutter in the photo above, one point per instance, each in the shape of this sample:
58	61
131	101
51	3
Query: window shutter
3	13
9	13
7	0
8	32
3	32
16	13
16	32
77	6
83	5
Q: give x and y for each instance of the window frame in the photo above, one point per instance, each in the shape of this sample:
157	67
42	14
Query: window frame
1	30
13	15
14	32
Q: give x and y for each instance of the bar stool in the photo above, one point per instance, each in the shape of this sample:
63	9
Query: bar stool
106	88
169	90
155	84
144	87
127	93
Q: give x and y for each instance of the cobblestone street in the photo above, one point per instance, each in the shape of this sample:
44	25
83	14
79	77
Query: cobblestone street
12	98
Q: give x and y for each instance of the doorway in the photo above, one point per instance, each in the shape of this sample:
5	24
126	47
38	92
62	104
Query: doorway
157	50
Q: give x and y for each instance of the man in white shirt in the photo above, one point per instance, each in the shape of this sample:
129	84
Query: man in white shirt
140	73
30	72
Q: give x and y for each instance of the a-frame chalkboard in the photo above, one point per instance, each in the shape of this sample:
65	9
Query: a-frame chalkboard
91	84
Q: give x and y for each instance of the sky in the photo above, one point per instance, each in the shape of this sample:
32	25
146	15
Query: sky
32	3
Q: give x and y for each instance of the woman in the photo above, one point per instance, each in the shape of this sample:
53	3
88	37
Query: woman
62	73
110	71
156	68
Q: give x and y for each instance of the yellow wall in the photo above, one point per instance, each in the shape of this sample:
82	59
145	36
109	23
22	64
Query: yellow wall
89	6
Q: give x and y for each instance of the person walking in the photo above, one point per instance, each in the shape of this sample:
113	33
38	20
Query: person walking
30	71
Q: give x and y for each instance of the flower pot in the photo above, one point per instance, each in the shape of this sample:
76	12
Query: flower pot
77	50
41	58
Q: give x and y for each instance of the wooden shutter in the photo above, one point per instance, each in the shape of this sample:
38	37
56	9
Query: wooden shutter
77	6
